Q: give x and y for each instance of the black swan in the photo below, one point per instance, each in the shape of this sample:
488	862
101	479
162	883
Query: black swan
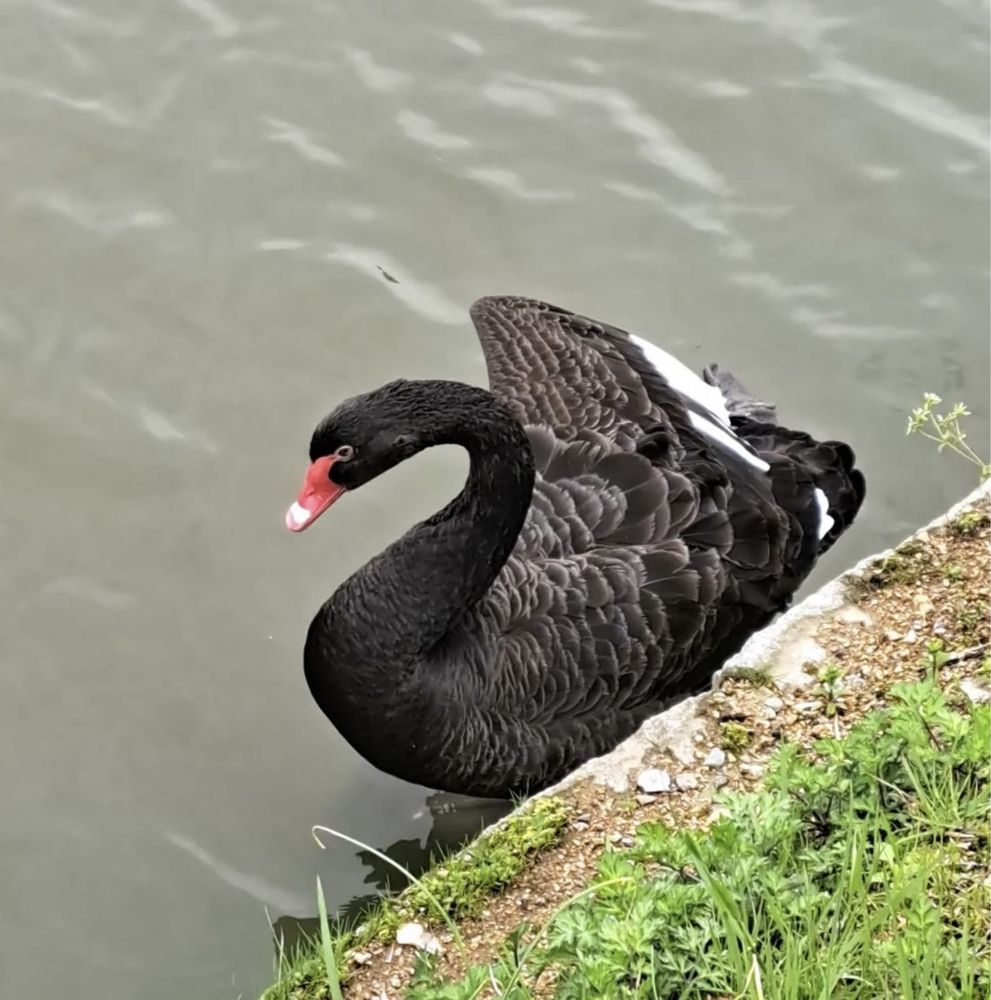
625	526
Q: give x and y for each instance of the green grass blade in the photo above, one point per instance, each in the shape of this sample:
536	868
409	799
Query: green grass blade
327	947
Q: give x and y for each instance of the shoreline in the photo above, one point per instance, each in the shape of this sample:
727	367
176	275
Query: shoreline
825	663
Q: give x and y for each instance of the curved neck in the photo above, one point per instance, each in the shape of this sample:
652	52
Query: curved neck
405	600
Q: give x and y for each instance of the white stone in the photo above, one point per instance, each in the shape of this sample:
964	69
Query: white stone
410	934
715	758
977	694
654	780
415	936
853	615
686	782
775	703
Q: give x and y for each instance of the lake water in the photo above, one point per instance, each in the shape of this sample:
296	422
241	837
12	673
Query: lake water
198	199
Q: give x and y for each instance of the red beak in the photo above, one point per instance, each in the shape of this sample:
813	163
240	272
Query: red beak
317	494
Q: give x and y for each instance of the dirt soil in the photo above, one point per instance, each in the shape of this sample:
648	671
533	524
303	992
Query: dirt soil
934	588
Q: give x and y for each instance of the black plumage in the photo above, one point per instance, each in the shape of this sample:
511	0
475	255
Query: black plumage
609	551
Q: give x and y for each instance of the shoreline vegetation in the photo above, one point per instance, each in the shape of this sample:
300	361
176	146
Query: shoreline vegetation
824	837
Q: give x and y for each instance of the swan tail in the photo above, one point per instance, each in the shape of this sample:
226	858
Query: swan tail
839	486
794	457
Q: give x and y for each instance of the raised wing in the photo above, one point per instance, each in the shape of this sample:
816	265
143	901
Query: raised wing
555	368
573	373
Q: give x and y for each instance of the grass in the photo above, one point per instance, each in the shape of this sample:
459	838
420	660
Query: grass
456	887
733	737
327	951
858	872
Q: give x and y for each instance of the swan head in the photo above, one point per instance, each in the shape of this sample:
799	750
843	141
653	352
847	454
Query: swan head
359	440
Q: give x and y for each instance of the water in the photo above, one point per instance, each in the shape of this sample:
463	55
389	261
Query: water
198	199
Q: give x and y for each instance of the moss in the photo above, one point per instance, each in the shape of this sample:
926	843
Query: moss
461	884
733	737
758	677
971	619
907	564
969	523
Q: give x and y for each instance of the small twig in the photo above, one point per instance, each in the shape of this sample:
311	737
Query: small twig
936	741
967	654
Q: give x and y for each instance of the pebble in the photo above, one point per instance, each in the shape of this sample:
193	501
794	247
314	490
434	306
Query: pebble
653	781
977	694
395	982
892	636
720	781
753	770
627	841
646	800
910	636
715	758
853	615
775	703
361	957
806	706
686	782
415	936
682	752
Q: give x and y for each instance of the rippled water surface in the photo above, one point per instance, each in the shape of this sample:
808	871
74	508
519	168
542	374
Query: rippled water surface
198	202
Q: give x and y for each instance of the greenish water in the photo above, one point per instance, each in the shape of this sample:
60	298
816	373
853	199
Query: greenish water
197	199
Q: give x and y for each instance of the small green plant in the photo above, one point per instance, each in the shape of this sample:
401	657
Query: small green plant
734	737
831	688
945	430
953	572
936	657
970	619
969	523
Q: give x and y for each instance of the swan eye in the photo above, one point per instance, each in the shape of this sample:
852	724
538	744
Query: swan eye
344	453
